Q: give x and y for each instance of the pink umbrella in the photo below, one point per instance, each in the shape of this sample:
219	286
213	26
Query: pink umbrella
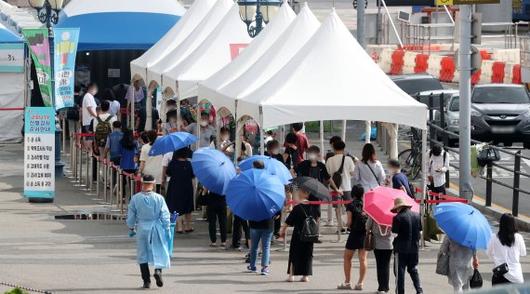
379	201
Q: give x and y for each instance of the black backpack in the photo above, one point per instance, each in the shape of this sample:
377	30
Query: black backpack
310	231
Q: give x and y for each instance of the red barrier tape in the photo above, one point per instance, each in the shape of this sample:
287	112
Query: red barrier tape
85	134
337	202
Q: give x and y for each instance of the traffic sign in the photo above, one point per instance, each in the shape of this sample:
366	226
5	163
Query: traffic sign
465	2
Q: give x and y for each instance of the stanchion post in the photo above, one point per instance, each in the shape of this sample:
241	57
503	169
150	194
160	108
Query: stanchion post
106	165
516	183
489	183
98	178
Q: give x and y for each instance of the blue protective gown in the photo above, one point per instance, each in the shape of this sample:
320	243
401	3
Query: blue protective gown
149	214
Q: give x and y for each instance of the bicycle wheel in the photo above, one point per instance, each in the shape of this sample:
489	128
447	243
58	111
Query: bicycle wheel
405	159
416	167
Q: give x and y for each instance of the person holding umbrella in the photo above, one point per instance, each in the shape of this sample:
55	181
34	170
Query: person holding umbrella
467	230
301	250
148	218
407	225
179	196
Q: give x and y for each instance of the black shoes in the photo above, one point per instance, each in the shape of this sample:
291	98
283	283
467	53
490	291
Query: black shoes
146	285
158	277
146	275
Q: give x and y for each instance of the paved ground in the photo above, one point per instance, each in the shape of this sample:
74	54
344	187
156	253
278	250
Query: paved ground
68	256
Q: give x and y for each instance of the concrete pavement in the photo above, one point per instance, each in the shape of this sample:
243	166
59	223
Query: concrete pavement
71	256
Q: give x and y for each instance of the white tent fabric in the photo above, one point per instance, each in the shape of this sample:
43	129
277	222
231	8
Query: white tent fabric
17	18
332	77
187	46
11	106
95	6
265	39
172	39
293	38
213	54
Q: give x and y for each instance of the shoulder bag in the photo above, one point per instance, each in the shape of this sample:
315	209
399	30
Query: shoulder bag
337	176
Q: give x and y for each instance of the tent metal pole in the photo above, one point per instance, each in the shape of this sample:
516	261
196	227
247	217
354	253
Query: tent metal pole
322	137
423	179
344	125
198	118
261	132
237	148
368	131
132	107
149	110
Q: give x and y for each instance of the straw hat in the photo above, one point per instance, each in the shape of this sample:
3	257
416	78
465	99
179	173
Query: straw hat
399	203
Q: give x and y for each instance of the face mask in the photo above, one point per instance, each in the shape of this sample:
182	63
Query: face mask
204	123
312	156
275	151
224	138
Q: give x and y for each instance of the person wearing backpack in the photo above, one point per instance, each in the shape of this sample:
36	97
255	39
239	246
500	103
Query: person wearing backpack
304	218
438	165
357	224
103	126
341	168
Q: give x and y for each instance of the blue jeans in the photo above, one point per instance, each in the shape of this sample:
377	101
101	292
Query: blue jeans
255	236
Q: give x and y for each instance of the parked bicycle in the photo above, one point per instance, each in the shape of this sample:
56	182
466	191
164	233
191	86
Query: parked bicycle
410	159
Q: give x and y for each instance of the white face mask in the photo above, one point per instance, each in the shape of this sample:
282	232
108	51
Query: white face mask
312	156
204	123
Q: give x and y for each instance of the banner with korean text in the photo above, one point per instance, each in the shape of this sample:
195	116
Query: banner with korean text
65	49
39	45
39	152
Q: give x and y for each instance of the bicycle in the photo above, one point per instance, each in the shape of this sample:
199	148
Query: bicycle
410	159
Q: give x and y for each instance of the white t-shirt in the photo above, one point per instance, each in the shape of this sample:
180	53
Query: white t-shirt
510	255
437	168
153	164
88	101
364	176
333	165
104	117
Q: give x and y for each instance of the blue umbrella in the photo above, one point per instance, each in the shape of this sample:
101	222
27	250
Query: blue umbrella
213	169
172	142
272	165
463	224
255	195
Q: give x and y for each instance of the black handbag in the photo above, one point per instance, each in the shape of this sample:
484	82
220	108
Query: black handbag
476	280
500	270
487	155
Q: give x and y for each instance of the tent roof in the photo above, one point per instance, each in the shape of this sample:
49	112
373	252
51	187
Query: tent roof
120	24
292	39
216	51
172	39
16	18
278	24
192	41
332	77
7	36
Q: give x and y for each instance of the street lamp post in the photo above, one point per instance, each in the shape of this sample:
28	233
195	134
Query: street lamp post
257	13
48	14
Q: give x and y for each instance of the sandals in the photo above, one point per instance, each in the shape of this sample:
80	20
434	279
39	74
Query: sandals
304	279
344	286
213	244
358	287
290	279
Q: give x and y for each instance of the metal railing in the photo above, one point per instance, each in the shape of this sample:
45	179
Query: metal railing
437	129
100	177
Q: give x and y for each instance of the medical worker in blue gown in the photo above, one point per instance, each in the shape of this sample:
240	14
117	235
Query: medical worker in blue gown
148	217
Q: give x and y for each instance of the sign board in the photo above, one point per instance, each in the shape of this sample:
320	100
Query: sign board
466	2
39	152
12	57
113	73
65	44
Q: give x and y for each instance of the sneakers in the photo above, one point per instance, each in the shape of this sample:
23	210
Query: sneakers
344	286
252	269
382	292
265	271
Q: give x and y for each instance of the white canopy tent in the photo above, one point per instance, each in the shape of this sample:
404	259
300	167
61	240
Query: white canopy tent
216	51
331	77
173	38
259	46
187	46
293	38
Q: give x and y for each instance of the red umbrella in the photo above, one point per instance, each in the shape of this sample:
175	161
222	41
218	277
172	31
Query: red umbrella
379	201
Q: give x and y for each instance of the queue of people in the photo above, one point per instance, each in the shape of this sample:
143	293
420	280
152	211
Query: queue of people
348	177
